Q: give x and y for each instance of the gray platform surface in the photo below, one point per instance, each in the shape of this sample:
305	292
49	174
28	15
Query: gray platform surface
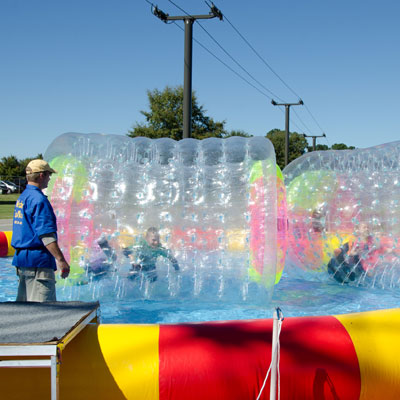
33	323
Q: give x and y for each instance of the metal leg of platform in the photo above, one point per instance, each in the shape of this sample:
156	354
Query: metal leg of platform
44	355
54	379
14	354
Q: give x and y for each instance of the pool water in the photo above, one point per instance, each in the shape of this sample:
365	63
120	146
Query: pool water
295	297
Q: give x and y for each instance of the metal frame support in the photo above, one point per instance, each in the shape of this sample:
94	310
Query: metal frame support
52	351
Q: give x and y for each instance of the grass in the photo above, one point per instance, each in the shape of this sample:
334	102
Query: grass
7	203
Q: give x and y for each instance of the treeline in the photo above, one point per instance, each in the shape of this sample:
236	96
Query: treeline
164	118
298	145
11	168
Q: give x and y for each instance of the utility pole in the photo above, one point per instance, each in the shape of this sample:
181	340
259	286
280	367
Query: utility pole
187	81
287	107
314	138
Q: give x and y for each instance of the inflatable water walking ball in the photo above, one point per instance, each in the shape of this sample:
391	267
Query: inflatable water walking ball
213	203
344	215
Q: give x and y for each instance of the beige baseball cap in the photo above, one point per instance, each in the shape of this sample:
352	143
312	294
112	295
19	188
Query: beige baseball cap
39	166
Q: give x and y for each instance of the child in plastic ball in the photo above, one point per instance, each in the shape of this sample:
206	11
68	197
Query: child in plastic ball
346	265
143	259
102	262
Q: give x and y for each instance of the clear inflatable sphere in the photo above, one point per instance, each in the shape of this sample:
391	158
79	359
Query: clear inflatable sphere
195	220
344	215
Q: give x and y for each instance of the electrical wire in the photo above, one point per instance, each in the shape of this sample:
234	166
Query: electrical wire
241	77
293	122
236	62
244	69
226	65
301	121
312	116
180	8
226	52
240	66
260	57
271	69
327	141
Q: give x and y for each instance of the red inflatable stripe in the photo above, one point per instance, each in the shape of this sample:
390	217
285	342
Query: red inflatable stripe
3	245
229	360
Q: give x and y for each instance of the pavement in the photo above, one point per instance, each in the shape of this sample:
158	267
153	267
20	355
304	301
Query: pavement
5	225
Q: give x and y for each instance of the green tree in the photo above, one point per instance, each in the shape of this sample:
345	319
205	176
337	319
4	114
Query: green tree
165	117
342	146
318	147
237	132
11	167
297	145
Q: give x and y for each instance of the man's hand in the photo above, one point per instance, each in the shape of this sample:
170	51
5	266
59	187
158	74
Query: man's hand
64	268
56	252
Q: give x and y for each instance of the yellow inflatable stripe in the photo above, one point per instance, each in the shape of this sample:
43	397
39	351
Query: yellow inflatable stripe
376	338
11	249
131	354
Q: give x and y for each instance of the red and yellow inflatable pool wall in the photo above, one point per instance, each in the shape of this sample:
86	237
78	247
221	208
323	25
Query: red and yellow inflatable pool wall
6	249
347	357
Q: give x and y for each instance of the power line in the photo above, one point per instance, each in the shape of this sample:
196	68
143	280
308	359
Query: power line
180	8
237	63
272	70
265	62
244	79
327	141
259	56
211	53
293	122
226	52
164	17
312	116
301	121
227	66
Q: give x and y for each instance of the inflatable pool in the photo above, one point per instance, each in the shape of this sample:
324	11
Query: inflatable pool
222	211
6	249
349	357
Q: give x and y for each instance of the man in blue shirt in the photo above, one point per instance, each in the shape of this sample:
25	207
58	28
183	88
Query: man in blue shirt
37	254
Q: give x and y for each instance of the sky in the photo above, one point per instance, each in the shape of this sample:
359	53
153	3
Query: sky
86	66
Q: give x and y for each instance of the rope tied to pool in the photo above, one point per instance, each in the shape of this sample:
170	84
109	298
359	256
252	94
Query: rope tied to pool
275	357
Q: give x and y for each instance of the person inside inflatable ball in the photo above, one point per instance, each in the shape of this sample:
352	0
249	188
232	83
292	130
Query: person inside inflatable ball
346	265
144	258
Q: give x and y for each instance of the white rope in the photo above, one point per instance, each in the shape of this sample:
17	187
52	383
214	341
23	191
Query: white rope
276	349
